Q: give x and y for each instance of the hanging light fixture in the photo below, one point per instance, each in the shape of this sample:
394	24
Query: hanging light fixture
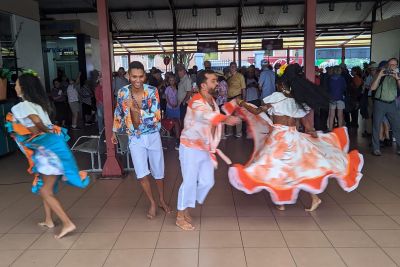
285	8
150	14
194	12
358	5
218	11
331	6
261	9
128	15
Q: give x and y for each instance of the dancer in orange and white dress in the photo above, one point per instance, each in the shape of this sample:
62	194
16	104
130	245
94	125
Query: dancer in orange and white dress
285	160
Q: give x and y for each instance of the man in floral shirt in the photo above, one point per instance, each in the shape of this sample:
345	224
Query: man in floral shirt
138	114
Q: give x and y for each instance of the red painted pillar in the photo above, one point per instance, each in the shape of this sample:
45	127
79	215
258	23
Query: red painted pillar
111	167
343	54
309	38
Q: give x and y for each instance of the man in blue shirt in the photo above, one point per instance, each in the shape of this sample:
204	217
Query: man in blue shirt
138	114
267	80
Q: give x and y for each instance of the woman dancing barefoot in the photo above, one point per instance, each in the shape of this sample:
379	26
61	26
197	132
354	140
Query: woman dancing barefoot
44	145
287	160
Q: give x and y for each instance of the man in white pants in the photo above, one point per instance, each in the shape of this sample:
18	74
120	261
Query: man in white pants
199	142
138	114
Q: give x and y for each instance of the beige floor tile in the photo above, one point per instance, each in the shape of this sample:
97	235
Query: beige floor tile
222	257
6	224
365	257
144	224
350	239
269	257
376	222
178	240
129	258
336	223
385	238
175	257
257	223
95	241
9	256
129	240
390	208
361	209
306	239
39	258
396	218
17	241
170	226
28	226
47	241
84	258
297	223
100	225
393	253
329	209
253	211
220	239
316	257
263	239
115	212
219	223
218	211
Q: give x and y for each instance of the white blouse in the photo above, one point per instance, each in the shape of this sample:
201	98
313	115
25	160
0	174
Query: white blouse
282	105
22	110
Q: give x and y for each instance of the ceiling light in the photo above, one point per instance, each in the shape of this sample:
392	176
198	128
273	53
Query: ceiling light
261	10
128	15
331	6
285	8
67	37
150	14
218	11
194	12
358	5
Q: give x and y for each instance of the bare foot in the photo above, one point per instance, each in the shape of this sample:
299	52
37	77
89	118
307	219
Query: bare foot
183	224
151	214
165	207
46	224
281	207
65	230
314	205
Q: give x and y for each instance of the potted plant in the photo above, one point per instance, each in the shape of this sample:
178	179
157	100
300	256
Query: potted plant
4	75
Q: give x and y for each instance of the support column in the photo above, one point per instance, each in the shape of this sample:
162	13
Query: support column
343	54
288	56
175	31
234	54
112	166
239	40
309	38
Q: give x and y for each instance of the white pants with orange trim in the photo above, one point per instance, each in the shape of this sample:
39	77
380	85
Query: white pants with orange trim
198	176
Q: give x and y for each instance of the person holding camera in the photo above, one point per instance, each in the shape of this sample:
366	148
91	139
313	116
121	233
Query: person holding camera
385	85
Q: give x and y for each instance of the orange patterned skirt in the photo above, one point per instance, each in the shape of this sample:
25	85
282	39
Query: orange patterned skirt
291	161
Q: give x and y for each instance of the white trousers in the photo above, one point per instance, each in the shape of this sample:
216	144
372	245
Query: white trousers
198	177
147	149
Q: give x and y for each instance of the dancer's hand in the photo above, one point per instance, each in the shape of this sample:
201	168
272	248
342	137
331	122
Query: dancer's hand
114	139
232	120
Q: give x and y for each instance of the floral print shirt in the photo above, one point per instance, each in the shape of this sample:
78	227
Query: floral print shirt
150	114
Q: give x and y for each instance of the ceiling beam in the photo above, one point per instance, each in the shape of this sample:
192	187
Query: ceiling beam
75	10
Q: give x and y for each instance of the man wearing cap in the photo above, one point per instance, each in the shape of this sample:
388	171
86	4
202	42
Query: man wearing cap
184	89
385	85
267	80
119	81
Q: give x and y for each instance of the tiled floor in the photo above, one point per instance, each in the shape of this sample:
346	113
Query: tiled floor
232	229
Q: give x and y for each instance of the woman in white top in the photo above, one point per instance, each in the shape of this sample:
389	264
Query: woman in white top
44	145
287	160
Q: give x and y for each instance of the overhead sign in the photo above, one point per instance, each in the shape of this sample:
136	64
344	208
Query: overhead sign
207	47
272	44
